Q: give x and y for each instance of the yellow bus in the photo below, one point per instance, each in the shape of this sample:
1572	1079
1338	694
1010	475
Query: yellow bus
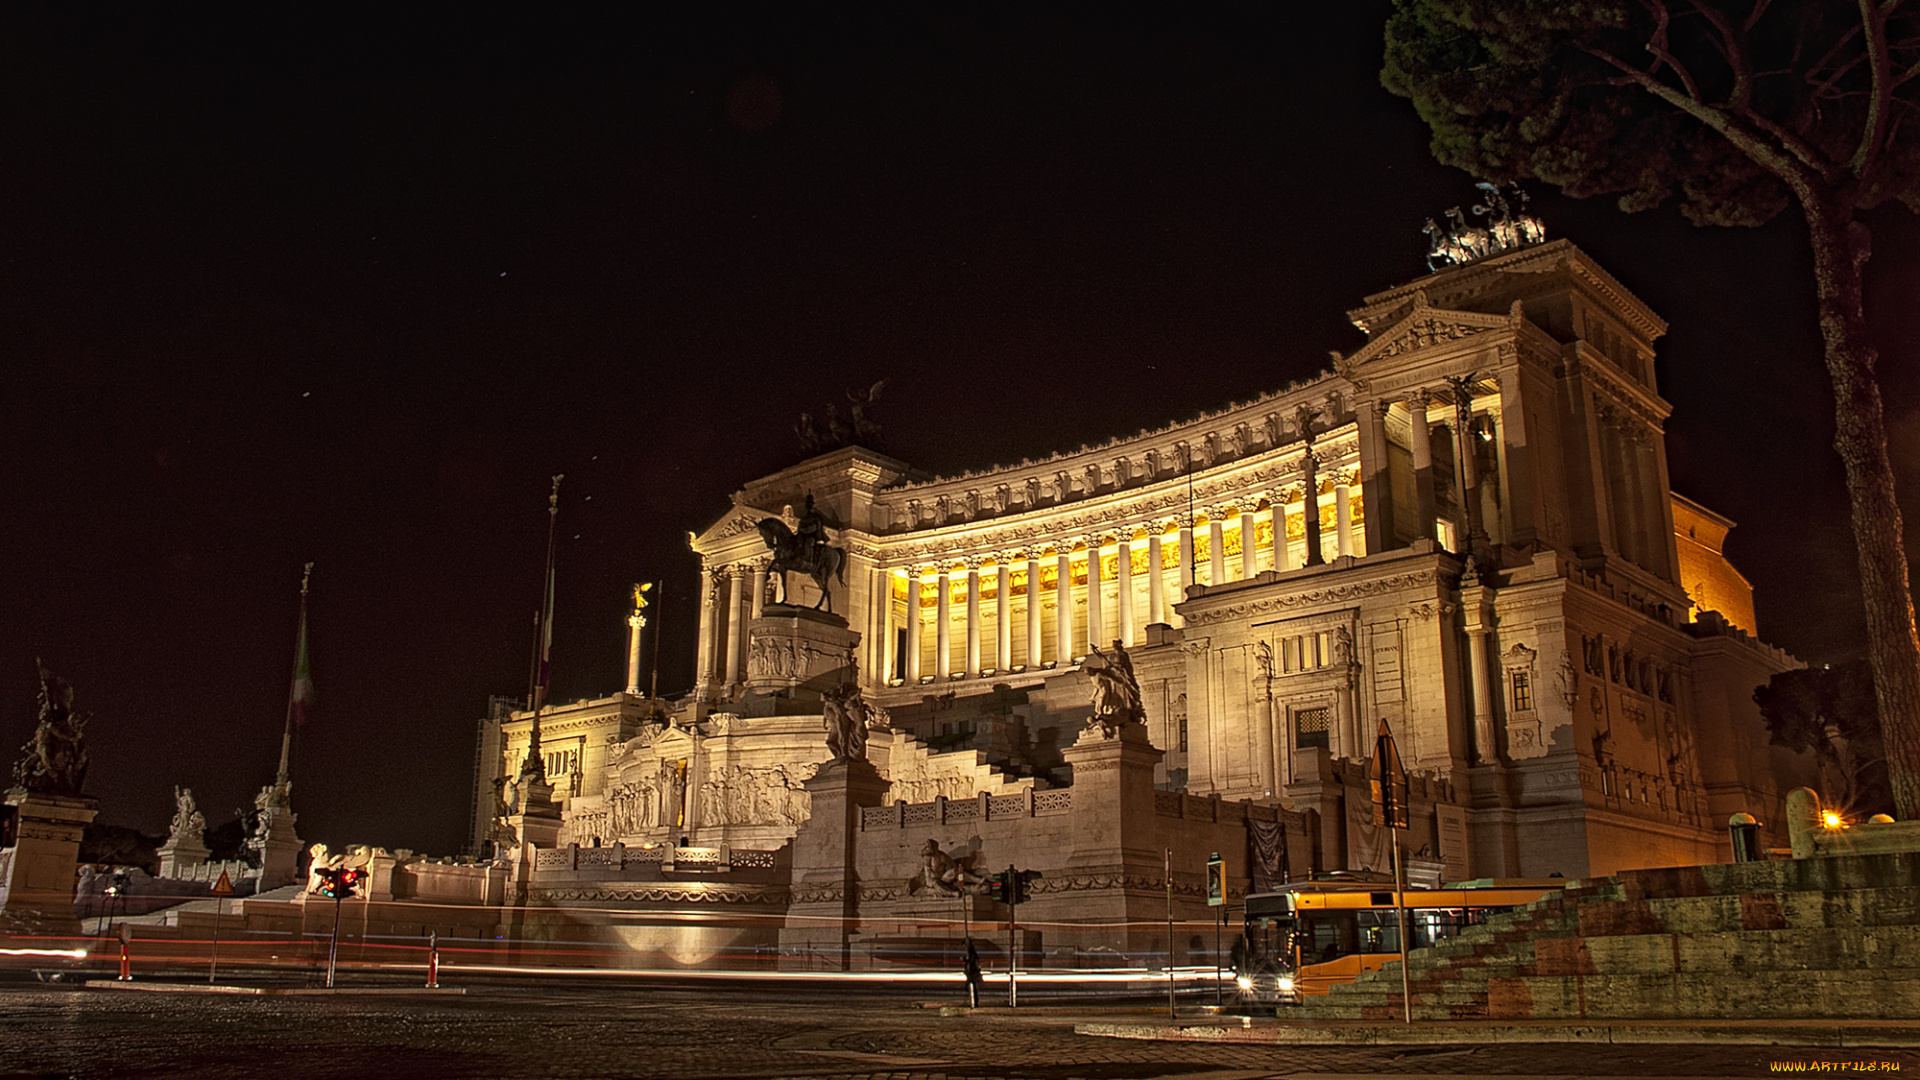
1308	939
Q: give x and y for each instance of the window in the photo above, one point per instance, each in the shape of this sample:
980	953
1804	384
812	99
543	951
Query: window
1183	733
1311	727
1522	690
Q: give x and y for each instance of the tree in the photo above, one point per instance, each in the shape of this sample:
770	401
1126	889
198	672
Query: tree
1832	712
1741	108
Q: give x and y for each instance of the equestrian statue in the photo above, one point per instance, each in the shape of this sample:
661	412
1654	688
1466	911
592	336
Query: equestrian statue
804	549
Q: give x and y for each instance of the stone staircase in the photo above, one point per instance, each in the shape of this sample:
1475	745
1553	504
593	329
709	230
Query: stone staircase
1809	938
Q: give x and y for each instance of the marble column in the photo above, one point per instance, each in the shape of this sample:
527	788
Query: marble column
634	622
1156	579
1268	760
1479	616
1096	625
973	618
759	587
915	624
883	624
1035	654
1002	615
704	664
1063	609
1123	607
1248	567
1277	502
1343	514
1216	550
1310	509
1376	483
736	624
1420	442
943	629
1186	564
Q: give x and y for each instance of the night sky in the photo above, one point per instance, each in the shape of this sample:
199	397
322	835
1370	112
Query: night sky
326	285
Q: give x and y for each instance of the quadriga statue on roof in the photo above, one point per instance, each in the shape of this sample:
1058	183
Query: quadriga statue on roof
54	760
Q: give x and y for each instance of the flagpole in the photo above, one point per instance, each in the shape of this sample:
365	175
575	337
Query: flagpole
543	659
294	693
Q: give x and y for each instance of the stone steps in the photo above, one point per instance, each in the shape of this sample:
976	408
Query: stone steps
1833	937
1737	951
1888	994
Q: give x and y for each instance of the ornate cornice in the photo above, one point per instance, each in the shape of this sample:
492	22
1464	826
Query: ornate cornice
1311	597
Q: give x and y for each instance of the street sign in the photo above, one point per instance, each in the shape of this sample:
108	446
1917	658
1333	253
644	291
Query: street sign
1216	880
1389	782
223	887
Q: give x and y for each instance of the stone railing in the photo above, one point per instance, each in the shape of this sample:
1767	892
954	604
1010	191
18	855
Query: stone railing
1178	804
1025	804
616	858
211	871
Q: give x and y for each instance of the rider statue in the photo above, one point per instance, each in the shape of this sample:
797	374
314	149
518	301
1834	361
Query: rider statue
811	532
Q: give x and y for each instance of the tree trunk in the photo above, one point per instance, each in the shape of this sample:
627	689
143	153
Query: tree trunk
1860	438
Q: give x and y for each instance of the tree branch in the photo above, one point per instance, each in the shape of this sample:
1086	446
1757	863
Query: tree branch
1874	21
1759	9
1657	45
1735	50
1749	131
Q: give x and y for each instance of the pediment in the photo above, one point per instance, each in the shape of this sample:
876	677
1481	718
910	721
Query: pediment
1421	327
737	521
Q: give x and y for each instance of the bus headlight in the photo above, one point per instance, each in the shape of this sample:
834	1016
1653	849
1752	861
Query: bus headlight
1286	984
1243	982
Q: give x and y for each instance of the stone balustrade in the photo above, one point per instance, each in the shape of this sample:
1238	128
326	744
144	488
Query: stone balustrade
1026	803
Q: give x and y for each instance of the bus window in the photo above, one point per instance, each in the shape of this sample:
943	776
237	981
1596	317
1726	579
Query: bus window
1329	936
1379	931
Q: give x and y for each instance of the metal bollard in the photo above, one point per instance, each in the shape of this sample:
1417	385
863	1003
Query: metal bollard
1745	830
433	961
126	961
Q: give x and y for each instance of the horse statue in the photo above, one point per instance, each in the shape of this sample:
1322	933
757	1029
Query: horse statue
809	555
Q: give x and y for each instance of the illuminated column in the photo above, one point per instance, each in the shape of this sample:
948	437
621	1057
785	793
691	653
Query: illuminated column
1156	578
1216	549
1277	503
1034	607
1343	514
759	586
1310	508
704	666
1421	445
1186	561
883	601
1123	609
942	630
1247	554
1063	609
1002	614
915	625
634	622
736	630
1096	626
973	617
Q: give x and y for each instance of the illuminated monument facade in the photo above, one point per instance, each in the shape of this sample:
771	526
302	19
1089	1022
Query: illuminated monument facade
1464	528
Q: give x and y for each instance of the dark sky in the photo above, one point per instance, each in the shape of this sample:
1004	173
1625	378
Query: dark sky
341	286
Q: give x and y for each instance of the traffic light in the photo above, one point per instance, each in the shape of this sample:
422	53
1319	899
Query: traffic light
1022	880
337	882
1000	886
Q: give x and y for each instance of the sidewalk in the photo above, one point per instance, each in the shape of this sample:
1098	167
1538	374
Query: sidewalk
1830	1034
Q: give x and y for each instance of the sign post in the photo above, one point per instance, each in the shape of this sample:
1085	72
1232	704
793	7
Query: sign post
221	890
1217	899
1388	779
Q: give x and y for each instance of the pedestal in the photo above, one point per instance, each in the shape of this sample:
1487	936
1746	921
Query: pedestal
37	879
1113	816
825	890
798	653
275	840
181	853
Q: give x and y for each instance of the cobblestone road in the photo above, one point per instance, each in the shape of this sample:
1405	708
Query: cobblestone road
682	1035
